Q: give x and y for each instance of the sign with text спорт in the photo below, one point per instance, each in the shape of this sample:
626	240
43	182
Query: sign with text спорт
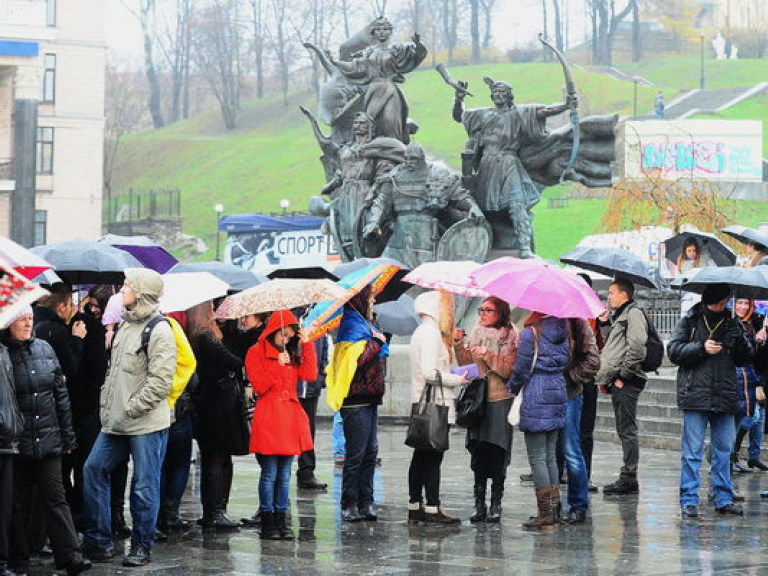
714	150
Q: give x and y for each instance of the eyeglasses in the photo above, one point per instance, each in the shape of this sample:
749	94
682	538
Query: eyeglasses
486	310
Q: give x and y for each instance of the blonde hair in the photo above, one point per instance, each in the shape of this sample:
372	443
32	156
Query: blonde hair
446	320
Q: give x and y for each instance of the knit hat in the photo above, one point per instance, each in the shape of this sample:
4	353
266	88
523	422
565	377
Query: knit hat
23	310
715	293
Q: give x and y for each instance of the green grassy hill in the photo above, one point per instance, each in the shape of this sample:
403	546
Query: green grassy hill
273	154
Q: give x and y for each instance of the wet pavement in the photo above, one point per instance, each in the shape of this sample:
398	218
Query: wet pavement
625	535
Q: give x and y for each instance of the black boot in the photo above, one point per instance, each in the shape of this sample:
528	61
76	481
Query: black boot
481	512
120	529
285	532
170	521
497	493
269	529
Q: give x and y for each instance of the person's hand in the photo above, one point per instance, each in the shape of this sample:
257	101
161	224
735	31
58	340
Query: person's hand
619	383
458	335
370	230
762	335
379	336
712	347
283	358
464	379
604	316
475	214
760	394
79	329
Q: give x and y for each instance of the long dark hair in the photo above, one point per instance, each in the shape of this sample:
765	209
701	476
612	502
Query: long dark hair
504	313
361	303
292	345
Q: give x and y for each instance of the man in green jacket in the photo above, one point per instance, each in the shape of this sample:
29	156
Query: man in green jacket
135	418
625	332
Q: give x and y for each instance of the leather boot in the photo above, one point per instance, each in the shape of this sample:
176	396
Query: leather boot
170	521
481	512
269	529
285	532
556	505
497	493
543	519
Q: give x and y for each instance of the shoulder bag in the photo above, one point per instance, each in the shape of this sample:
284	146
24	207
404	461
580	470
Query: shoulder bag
428	428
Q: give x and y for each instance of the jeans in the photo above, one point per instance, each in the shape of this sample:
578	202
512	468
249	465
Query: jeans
177	459
542	447
587	425
339	443
625	409
578	497
147	452
722	432
360	427
424	472
306	468
275	478
756	434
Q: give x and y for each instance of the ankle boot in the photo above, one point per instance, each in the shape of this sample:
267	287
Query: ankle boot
170	521
282	528
497	493
556	505
269	529
120	529
481	512
543	518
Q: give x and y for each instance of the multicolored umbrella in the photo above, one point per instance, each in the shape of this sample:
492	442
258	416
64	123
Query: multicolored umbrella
538	286
24	261
451	276
15	292
326	316
280	294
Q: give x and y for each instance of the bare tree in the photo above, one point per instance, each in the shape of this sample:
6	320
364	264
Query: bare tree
474	29
314	27
557	12
487	8
605	23
258	20
278	39
175	45
448	13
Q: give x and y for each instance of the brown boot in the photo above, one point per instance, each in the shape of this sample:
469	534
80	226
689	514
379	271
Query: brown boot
415	512
436	515
543	521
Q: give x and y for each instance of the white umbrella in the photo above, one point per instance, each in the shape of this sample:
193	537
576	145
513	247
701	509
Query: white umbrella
452	276
183	290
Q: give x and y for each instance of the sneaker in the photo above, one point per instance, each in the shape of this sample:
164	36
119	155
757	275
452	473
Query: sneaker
591	487
138	556
96	554
731	509
575	516
351	515
622	486
737	497
369	513
312	485
436	515
690	511
757	464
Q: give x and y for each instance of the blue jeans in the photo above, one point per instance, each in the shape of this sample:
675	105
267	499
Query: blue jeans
722	432
147	452
177	459
578	496
360	427
275	473
339	443
755	433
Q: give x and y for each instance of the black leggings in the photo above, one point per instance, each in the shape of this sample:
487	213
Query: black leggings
424	472
488	461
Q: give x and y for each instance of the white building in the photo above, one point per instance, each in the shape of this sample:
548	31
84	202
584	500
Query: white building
52	68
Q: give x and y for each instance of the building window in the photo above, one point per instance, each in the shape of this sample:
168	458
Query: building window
50	12
49	78
44	150
41	225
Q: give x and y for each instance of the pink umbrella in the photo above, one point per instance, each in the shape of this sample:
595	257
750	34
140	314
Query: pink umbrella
451	276
539	286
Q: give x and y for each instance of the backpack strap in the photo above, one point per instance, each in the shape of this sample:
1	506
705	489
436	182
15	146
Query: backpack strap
146	332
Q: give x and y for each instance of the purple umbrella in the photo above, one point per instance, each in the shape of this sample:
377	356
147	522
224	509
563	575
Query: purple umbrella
145	250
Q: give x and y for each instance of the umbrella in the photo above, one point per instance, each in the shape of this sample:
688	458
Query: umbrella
237	278
279	294
302	272
113	311
539	286
746	235
452	276
183	290
16	291
397	317
720	254
326	316
87	262
749	283
21	259
393	289
613	262
144	249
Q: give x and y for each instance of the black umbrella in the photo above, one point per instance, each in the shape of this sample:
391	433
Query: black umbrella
86	262
749	283
720	254
239	279
394	288
613	262
397	317
746	235
310	272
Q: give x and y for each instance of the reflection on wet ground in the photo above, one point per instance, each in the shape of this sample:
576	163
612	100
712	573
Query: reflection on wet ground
626	535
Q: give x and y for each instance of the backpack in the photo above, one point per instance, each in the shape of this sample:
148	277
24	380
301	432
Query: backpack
654	348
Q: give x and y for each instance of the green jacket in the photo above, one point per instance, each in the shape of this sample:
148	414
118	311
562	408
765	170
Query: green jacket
133	398
624	348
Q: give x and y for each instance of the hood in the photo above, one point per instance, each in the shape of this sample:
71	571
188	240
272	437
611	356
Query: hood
278	320
554	329
439	307
148	286
427	304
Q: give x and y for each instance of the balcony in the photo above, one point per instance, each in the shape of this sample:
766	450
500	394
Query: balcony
7	182
25	12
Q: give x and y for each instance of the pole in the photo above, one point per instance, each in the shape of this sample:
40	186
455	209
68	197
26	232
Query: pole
218	220
634	102
702	82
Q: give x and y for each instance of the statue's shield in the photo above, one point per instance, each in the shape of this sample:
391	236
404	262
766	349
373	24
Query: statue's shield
468	239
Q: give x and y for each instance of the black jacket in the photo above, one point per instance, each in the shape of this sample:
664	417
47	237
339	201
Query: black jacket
306	389
85	386
42	397
68	348
11	420
708	382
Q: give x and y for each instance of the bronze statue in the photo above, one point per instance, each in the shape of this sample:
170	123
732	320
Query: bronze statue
415	205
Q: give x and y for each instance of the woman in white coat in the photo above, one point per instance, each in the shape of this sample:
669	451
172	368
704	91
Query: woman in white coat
431	352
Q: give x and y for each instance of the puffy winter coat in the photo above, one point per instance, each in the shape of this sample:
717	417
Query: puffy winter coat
543	382
42	397
707	382
10	417
280	425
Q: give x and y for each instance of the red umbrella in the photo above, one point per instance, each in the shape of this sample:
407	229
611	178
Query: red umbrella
24	261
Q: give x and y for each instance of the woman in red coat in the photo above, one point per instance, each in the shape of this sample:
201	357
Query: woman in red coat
280	428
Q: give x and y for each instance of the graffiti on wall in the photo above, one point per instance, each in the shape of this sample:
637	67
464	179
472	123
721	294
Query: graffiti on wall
706	157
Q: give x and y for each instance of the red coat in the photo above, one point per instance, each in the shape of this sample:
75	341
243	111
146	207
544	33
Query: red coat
280	425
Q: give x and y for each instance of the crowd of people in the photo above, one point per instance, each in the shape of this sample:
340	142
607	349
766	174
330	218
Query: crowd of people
85	393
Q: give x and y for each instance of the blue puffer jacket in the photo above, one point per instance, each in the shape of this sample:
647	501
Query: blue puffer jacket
544	398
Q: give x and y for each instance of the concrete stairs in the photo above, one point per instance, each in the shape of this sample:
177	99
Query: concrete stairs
702	101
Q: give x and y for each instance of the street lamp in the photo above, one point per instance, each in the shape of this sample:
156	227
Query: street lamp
635	79
219	209
701	78
285	204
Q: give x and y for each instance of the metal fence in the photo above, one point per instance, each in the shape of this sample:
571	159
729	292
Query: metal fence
664	319
140	205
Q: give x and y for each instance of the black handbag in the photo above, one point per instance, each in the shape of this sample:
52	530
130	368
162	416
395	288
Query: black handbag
470	403
428	428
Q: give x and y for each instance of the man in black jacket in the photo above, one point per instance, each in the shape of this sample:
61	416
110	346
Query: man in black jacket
707	345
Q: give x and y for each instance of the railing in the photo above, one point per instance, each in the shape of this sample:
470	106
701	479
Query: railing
664	319
24	12
6	168
140	205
